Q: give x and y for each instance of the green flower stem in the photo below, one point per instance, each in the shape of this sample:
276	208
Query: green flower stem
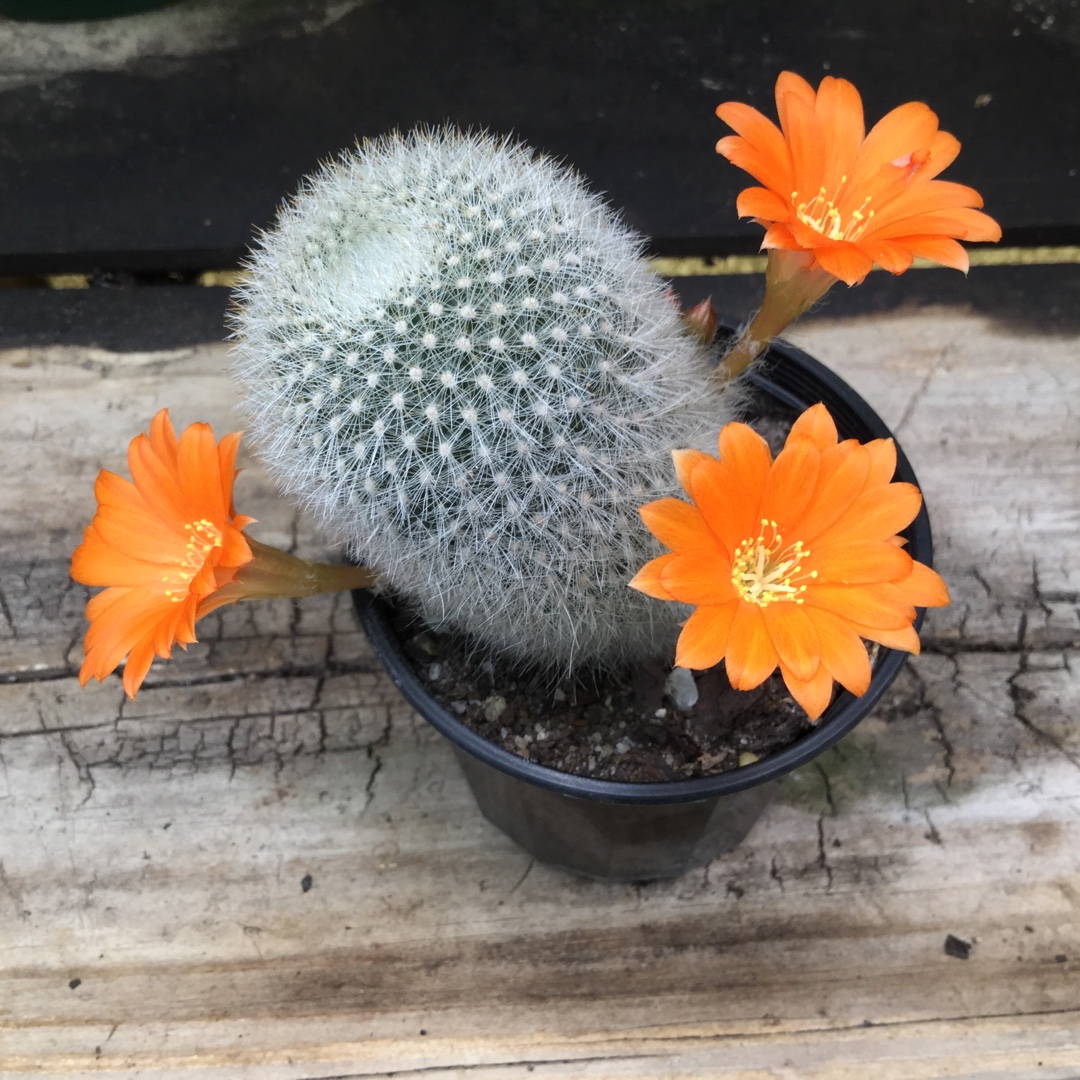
793	284
275	574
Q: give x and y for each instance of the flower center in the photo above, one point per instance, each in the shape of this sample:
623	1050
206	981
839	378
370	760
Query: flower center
764	570
203	537
822	215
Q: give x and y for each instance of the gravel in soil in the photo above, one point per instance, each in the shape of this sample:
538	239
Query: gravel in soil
634	726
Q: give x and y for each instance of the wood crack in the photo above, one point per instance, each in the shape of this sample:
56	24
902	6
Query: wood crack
823	858
925	702
689	1040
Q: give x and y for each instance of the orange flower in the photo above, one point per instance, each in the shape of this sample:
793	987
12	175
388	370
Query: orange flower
849	199
169	547
790	562
164	544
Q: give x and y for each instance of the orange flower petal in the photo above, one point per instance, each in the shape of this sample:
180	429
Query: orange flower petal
157	483
226	452
96	562
729	508
780	236
817	425
680	526
745	451
163	437
759	140
959	222
806	143
759	202
904	638
924	587
814	694
121	496
876	514
956	203
199	474
859	562
791	480
647	579
890	256
847	263
843	653
137	667
882	469
760	165
906	129
880	605
840	113
794	637
944	150
751	656
116	491
686	461
136	534
235	550
940	249
693	579
791	88
704	637
745	461
842	476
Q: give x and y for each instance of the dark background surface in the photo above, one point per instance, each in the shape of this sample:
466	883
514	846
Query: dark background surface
1039	299
171	162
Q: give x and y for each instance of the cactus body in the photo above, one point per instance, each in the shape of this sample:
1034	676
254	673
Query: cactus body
455	356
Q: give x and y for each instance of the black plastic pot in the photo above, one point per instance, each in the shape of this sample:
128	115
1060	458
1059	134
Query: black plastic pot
634	832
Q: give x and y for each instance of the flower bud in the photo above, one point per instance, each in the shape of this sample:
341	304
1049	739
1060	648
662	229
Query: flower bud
701	321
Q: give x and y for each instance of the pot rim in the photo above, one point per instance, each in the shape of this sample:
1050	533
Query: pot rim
805	381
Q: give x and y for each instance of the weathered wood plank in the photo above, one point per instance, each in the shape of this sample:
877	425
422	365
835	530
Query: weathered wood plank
990	421
184	888
988	418
153	910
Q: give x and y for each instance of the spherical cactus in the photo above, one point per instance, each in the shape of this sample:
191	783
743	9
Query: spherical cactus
455	356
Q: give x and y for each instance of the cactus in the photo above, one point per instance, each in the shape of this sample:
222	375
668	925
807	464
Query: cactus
455	356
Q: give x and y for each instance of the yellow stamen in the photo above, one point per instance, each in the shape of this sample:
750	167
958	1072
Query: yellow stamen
823	216
205	536
765	571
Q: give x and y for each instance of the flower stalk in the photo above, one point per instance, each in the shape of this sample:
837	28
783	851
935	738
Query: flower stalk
275	574
794	282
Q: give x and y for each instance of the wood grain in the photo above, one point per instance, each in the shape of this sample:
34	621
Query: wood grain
153	912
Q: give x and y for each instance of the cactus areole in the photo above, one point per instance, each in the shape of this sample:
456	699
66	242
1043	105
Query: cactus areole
455	357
